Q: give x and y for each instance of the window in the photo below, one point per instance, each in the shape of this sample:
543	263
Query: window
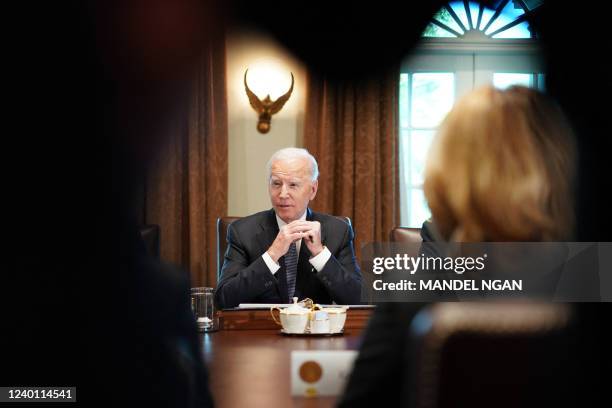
508	19
425	98
465	46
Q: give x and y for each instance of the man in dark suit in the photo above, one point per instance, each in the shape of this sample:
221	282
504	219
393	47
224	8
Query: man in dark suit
289	251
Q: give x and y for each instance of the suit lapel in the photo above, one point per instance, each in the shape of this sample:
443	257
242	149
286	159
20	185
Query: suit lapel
311	216
268	231
304	251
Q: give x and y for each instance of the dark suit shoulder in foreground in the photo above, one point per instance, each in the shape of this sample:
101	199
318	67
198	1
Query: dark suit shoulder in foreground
380	371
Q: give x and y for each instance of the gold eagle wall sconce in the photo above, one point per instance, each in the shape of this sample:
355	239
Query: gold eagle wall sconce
267	107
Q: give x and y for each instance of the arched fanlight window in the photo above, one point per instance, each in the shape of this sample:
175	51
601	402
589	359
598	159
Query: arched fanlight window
468	19
466	45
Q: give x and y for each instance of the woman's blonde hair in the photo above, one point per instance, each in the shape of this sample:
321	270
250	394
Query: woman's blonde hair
501	168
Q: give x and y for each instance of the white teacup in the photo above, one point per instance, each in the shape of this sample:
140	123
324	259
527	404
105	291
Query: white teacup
294	323
293	319
337	318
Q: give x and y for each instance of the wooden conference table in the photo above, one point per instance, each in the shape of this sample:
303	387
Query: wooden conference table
249	360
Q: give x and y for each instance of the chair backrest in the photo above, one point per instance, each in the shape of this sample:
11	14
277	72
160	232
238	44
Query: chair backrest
488	354
150	236
222	224
406	235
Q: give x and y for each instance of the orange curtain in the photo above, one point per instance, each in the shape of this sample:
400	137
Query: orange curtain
351	128
186	189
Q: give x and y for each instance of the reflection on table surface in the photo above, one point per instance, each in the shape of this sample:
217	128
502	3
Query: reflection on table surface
250	365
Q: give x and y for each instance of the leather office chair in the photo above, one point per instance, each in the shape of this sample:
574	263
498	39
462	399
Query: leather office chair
151	235
405	235
222	224
489	354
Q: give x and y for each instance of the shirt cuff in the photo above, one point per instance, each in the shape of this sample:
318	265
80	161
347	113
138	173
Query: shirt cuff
273	266
320	260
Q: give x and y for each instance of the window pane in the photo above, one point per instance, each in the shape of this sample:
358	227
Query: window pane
420	142
505	80
404	163
510	13
403	101
444	17
518	31
419	210
459	9
432	98
474	9
406	157
487	13
433	30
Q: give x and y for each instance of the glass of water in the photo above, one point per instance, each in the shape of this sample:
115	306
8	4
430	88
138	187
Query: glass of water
203	307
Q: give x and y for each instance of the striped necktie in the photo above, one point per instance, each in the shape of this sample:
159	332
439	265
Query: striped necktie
291	269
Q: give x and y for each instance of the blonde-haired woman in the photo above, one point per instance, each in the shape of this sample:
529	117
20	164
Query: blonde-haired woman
501	168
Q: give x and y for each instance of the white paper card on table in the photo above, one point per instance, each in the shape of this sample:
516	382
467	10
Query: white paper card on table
320	373
262	305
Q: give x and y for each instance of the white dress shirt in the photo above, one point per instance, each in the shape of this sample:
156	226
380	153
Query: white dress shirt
318	262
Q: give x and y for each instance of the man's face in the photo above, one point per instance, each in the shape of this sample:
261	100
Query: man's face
291	188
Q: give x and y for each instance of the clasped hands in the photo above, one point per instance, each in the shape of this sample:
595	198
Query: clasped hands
294	231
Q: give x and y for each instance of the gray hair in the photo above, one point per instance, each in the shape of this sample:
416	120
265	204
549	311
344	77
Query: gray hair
290	153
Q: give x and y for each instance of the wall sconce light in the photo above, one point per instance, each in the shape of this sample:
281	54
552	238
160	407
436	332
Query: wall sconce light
266	108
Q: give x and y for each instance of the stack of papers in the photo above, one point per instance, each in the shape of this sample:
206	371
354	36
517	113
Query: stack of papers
269	305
